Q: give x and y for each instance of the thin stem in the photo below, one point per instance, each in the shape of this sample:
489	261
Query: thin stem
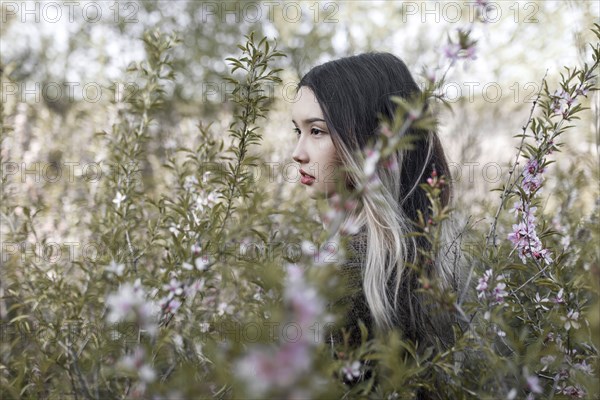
509	186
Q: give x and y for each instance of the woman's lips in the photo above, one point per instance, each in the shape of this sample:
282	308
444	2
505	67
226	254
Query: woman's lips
306	178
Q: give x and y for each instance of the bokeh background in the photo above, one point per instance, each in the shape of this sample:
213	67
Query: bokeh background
60	62
70	80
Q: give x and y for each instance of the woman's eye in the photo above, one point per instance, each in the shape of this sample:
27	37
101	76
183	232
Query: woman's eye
313	131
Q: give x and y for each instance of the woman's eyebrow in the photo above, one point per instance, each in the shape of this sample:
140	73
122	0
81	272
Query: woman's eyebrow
309	120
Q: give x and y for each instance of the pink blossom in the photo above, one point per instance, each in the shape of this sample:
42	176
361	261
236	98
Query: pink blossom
483	283
563	95
532	178
465	49
191	290
517	207
582	92
524	238
130	303
430	75
498	293
470	53
543	254
174	288
574	391
559	299
264	369
584	367
562	101
350	204
170	305
533	384
386	131
190	182
520	232
371	161
414	113
136	363
196	249
305	303
532	168
391	164
451	51
532	184
562	375
373	184
526	241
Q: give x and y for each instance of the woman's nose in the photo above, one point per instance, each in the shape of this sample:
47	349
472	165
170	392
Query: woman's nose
299	155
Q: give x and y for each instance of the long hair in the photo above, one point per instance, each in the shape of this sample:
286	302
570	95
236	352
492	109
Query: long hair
353	93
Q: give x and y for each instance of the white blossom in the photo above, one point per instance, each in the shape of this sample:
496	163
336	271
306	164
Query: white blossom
201	263
115	268
571	320
119	198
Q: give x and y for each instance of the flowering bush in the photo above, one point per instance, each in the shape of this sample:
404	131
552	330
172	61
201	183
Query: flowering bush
213	290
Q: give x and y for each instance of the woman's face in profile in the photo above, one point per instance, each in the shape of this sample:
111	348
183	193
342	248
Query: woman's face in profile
319	164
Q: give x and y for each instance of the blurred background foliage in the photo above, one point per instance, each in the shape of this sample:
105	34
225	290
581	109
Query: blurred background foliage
195	108
524	40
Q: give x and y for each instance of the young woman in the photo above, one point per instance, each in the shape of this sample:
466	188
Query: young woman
336	114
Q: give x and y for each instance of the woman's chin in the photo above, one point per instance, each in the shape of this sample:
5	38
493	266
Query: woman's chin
315	193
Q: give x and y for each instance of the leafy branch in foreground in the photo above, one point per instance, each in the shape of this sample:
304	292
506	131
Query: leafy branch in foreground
251	105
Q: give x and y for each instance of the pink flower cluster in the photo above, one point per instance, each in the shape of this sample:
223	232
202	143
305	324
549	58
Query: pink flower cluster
497	294
265	368
532	177
280	368
177	291
575	392
136	362
434	181
454	51
524	236
171	303
562	101
303	299
464	49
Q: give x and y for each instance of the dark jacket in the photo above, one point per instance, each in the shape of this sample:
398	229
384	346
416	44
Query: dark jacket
353	301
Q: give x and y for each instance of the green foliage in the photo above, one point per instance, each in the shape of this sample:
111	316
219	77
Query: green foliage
171	304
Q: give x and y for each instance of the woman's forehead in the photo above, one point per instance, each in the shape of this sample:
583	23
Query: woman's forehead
306	106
